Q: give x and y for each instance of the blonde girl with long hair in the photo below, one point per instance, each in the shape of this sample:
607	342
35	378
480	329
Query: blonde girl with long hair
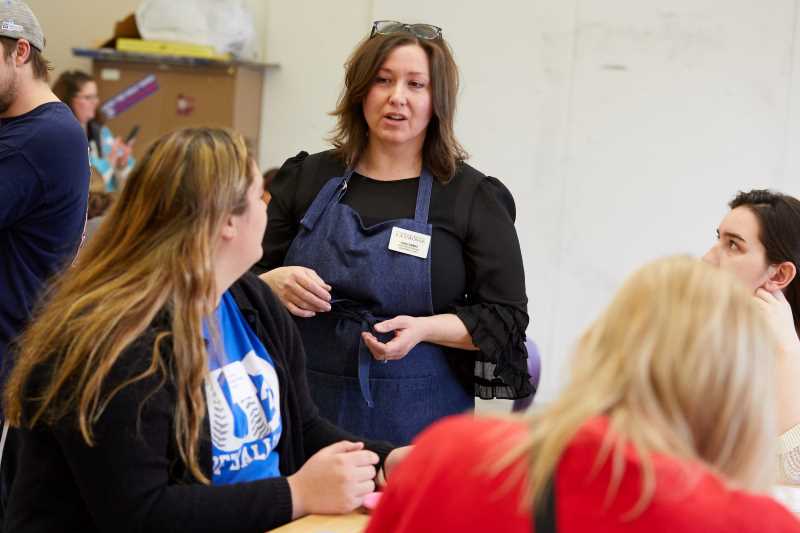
159	386
667	424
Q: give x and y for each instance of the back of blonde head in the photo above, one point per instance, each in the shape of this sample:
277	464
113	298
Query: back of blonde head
153	252
681	362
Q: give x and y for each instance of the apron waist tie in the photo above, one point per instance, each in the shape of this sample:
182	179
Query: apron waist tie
340	309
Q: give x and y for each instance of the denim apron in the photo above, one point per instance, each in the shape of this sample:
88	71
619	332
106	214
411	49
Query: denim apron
394	400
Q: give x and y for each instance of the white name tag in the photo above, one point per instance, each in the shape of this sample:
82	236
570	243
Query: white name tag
410	242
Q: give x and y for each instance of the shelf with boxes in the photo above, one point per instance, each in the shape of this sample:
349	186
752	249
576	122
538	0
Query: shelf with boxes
160	93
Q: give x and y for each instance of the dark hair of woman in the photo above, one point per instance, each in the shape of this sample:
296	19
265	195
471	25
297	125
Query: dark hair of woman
66	88
779	231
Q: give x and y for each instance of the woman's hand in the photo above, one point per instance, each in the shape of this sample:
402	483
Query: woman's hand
300	289
394	458
445	330
334	480
408	332
120	153
778	313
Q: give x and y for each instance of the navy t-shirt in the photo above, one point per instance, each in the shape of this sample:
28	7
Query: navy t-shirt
44	188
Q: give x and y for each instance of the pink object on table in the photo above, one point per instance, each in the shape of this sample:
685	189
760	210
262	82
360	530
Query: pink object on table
371	500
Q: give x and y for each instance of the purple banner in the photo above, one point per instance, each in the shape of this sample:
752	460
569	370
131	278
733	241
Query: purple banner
130	96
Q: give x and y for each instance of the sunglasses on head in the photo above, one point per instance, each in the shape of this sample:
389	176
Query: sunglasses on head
422	31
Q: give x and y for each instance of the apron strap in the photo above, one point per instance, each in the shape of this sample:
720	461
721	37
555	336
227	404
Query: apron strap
364	363
423	196
344	309
544	515
330	193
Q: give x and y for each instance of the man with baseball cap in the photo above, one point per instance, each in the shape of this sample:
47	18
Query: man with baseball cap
44	183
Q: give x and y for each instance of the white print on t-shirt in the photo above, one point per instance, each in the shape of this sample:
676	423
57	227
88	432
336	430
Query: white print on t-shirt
240	377
240	458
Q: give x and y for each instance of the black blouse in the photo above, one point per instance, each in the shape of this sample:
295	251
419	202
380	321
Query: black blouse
476	264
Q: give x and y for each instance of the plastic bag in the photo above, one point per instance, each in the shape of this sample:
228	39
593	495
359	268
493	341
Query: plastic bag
227	25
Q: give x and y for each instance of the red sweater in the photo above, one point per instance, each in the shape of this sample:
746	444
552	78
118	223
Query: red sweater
447	484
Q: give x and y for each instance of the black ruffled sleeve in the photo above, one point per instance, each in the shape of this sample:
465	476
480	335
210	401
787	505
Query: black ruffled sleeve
282	214
496	311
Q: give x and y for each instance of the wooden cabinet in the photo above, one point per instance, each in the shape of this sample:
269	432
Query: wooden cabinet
185	92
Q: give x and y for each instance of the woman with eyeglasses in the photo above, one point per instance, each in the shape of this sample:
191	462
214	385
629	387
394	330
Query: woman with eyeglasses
161	386
758	241
399	261
109	156
667	424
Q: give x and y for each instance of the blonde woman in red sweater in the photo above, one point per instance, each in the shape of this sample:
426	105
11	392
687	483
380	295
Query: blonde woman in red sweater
667	424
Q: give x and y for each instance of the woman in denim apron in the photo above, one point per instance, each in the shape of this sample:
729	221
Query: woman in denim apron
408	305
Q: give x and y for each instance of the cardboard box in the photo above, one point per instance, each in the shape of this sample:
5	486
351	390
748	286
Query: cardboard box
123	28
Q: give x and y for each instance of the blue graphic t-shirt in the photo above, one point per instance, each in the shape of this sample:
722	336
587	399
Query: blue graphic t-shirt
243	400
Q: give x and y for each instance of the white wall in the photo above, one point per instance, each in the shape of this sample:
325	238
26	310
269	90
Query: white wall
791	169
699	111
622	127
311	40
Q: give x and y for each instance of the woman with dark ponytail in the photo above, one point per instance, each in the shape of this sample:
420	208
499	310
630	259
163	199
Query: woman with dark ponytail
759	241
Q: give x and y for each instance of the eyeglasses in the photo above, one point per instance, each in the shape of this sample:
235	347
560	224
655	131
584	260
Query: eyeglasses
422	31
88	97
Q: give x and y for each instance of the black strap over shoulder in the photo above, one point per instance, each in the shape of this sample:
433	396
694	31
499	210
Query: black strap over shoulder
544	515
